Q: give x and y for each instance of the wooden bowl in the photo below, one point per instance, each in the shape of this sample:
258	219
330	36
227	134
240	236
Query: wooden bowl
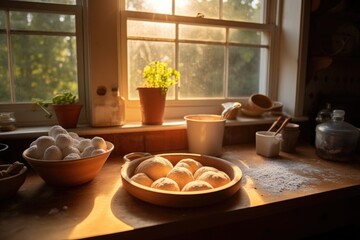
69	172
10	185
183	199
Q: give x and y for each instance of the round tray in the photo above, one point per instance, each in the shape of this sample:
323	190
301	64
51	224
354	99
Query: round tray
181	199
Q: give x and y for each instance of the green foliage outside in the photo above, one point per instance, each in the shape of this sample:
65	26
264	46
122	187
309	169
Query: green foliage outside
42	64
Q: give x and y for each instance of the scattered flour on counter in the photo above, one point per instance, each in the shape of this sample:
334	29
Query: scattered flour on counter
275	177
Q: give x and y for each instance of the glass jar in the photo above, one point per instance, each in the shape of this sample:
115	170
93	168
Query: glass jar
7	121
336	139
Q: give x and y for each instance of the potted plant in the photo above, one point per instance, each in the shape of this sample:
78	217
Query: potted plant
158	77
66	106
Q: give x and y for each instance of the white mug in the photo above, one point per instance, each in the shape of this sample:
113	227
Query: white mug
267	144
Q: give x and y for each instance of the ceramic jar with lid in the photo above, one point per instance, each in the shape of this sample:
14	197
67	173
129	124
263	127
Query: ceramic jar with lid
336	139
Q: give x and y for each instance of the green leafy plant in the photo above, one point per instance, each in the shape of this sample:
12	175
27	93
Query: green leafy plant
158	75
62	98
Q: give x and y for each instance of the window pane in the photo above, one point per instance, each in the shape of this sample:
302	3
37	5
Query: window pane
4	73
209	8
42	22
141	53
43	66
2	20
244	10
246	36
202	71
150	29
165	6
190	32
244	71
73	2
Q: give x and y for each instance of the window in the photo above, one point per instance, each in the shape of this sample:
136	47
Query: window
41	51
222	48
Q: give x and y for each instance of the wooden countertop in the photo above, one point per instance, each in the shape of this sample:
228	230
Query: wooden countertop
298	183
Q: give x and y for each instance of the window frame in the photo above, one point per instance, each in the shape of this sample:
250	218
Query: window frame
179	108
27	114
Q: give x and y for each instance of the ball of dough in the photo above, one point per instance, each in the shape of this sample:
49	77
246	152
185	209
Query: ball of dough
181	176
87	151
216	179
194	165
165	183
84	143
56	130
72	156
204	169
63	140
142	179
196	185
67	150
98	143
53	153
34	152
74	135
97	152
155	167
43	142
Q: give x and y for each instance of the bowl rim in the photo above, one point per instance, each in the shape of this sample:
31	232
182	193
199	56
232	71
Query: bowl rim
236	179
108	144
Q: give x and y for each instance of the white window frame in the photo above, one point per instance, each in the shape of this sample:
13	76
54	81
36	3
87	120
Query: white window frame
27	114
176	109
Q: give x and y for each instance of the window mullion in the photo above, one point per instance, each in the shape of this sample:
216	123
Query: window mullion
10	62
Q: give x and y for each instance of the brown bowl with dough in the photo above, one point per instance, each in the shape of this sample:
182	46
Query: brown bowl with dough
178	198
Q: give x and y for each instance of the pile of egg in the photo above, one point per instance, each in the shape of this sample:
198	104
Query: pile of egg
63	145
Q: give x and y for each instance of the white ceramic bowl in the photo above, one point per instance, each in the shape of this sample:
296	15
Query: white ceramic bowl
69	172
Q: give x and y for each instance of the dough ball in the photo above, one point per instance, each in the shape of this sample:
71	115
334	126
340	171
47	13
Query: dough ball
74	135
142	179
155	167
63	140
97	152
87	151
194	165
204	169
83	144
68	150
43	142
98	143
53	153
72	156
196	185
216	179
181	176
165	183
34	152
56	130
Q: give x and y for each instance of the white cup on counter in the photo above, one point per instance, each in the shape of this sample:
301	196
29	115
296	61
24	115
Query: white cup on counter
205	133
267	144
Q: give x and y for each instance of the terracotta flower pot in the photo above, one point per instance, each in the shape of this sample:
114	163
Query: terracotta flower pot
67	114
152	103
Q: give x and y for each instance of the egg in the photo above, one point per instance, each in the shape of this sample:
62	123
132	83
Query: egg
53	153
63	140
83	144
98	143
72	156
56	130
43	142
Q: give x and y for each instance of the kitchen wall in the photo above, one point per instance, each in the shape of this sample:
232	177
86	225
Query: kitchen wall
333	74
